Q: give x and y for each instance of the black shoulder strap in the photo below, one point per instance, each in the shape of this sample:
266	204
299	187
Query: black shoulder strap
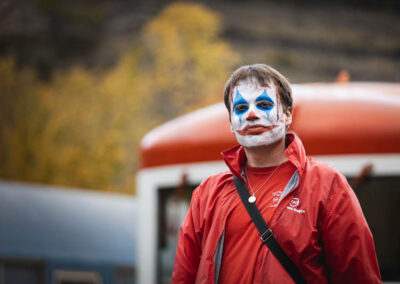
266	233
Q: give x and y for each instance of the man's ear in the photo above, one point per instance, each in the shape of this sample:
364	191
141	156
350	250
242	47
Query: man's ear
289	115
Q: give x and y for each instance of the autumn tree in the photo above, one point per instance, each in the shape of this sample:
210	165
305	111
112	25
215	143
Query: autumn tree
186	62
83	128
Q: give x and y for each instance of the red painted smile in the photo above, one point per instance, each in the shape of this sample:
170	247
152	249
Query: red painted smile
256	129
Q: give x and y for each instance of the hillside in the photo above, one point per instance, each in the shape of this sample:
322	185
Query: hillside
314	43
307	43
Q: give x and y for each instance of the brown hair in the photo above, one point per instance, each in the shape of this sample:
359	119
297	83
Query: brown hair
264	74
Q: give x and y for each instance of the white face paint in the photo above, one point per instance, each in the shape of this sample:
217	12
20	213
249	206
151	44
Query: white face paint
257	115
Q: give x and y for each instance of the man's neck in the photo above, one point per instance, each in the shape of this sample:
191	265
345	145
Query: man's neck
266	156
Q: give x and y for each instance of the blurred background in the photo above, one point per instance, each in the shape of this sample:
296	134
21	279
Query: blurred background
81	83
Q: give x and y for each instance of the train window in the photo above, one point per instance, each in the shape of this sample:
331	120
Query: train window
380	200
21	271
173	204
76	277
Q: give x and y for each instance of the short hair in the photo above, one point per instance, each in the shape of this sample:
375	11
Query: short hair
265	75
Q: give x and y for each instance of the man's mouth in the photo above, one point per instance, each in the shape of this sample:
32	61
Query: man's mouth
256	129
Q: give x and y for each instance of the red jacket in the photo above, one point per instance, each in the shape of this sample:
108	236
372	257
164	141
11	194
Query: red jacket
318	222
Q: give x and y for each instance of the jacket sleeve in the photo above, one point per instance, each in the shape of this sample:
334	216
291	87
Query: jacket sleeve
188	251
347	239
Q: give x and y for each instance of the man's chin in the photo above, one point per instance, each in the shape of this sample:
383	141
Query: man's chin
256	141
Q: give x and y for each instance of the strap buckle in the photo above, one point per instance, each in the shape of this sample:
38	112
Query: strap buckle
266	235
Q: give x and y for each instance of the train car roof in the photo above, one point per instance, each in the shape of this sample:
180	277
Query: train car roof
42	222
330	118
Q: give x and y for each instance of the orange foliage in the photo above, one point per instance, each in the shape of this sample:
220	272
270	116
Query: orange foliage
82	129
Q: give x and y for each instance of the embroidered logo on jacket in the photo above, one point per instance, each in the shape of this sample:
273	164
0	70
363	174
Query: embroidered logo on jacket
276	196
293	204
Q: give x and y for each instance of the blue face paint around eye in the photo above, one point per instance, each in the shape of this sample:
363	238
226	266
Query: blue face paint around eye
265	97
239	100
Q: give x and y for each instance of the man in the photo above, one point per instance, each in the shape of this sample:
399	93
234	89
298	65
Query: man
312	211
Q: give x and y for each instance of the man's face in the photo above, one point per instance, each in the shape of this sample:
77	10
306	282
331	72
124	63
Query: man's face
257	116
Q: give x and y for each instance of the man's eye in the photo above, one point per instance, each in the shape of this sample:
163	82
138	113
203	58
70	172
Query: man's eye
241	108
264	104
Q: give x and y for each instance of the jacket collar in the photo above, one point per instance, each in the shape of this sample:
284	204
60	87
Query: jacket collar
235	157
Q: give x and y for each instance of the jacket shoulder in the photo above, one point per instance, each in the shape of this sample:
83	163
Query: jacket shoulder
216	188
327	182
322	169
215	182
323	180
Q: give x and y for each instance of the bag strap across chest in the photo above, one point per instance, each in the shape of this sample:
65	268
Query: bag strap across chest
266	234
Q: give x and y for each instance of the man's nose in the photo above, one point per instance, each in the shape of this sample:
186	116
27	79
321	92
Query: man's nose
252	116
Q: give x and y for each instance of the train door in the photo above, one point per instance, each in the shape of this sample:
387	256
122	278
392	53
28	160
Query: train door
173	204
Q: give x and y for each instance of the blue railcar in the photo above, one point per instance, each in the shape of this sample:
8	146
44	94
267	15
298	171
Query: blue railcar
54	235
